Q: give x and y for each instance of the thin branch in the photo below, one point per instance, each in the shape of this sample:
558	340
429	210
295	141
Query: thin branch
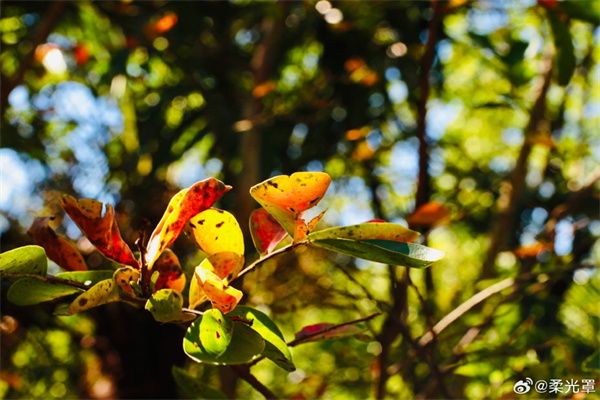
464	308
256	263
307	338
244	373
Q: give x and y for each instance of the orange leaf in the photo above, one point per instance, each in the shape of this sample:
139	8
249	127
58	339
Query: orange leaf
170	274
225	264
429	214
223	297
183	206
531	250
266	231
287	197
263	89
217	231
57	249
102	231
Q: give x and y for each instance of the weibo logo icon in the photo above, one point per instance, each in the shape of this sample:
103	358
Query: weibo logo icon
523	386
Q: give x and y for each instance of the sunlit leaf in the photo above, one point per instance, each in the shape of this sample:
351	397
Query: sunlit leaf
266	231
101	293
225	265
217	231
102	231
275	347
193	388
24	261
368	230
170	273
287	197
384	251
196	294
215	332
223	297
244	346
29	291
182	207
86	277
429	214
329	334
165	306
124	276
57	249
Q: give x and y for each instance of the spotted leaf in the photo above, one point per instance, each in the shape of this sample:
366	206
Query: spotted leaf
101	293
57	249
222	297
287	197
182	207
124	276
170	273
217	231
102	231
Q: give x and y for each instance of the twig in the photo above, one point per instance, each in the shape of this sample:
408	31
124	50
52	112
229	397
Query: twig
144	280
306	338
256	263
244	373
465	307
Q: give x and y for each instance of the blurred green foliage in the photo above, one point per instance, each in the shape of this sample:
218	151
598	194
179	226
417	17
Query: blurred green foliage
127	102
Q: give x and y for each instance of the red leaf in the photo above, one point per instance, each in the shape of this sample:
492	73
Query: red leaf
333	334
102	231
183	206
57	249
266	231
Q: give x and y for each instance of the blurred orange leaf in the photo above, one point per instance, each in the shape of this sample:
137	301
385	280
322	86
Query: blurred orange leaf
57	249
263	89
531	250
429	214
102	231
362	152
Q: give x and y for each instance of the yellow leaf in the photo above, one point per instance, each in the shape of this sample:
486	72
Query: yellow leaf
217	231
222	297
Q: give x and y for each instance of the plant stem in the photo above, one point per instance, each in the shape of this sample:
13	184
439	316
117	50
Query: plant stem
256	263
244	373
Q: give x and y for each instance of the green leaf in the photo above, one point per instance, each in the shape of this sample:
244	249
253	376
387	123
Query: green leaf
333	334
244	346
368	230
24	261
86	277
165	306
28	291
565	52
384	251
101	293
215	332
193	388
276	349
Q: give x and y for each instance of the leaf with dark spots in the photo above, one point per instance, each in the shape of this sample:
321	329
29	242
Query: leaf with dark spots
215	332
123	276
222	296
170	273
57	249
226	264
102	231
101	293
184	205
218	231
24	261
287	197
166	306
266	232
369	230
